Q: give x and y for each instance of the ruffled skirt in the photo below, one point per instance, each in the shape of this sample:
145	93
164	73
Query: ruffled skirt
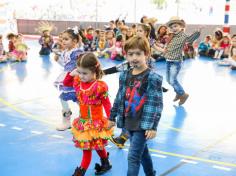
91	134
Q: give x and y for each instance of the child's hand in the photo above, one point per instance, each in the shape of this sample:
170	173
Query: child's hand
150	134
74	73
110	124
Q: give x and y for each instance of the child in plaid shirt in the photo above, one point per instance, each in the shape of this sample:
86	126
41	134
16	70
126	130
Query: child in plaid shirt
173	55
138	104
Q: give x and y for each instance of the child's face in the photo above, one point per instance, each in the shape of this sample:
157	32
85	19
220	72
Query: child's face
13	39
141	32
136	58
129	32
207	39
162	30
86	75
176	28
102	36
109	35
233	40
46	33
124	32
67	41
90	32
226	40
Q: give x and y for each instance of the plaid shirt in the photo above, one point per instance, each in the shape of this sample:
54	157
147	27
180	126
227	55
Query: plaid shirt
152	107
176	45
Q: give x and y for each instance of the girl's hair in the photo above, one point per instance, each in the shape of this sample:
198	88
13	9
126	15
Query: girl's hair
159	28
0	36
232	47
146	28
138	42
90	61
119	38
73	34
10	36
219	33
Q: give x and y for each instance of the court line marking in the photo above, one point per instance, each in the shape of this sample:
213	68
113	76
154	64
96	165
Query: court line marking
189	161
26	101
158	155
153	150
37	118
36	132
12	105
17	128
222	168
193	158
57	136
2	125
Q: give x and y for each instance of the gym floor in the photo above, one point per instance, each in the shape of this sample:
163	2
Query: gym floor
196	139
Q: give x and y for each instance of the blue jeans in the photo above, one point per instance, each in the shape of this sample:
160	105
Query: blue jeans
139	154
172	72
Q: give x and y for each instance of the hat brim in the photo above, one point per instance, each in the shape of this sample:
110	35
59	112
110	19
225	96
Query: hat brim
175	22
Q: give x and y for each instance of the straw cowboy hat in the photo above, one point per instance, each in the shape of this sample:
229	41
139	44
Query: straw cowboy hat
174	20
152	20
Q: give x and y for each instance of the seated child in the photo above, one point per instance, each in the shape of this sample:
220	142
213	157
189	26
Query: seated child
117	52
102	45
204	46
215	52
3	57
46	42
160	43
231	60
225	46
20	52
189	52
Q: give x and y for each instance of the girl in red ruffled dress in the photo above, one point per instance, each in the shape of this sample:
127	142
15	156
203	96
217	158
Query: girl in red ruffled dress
91	130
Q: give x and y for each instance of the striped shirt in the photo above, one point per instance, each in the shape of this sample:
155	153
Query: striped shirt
176	45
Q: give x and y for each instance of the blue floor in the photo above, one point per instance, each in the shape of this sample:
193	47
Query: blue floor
197	139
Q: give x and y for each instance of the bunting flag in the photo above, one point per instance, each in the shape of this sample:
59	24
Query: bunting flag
226	27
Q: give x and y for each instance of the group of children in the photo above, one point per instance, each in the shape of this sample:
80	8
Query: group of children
221	47
17	49
139	101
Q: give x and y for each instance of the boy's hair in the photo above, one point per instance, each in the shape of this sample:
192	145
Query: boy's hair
146	28
91	62
138	42
10	36
134	26
208	37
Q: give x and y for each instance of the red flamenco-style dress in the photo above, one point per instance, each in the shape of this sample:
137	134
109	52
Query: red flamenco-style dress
90	130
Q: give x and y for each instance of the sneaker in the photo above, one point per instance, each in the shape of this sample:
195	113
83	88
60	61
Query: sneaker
177	97
183	99
119	141
65	121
